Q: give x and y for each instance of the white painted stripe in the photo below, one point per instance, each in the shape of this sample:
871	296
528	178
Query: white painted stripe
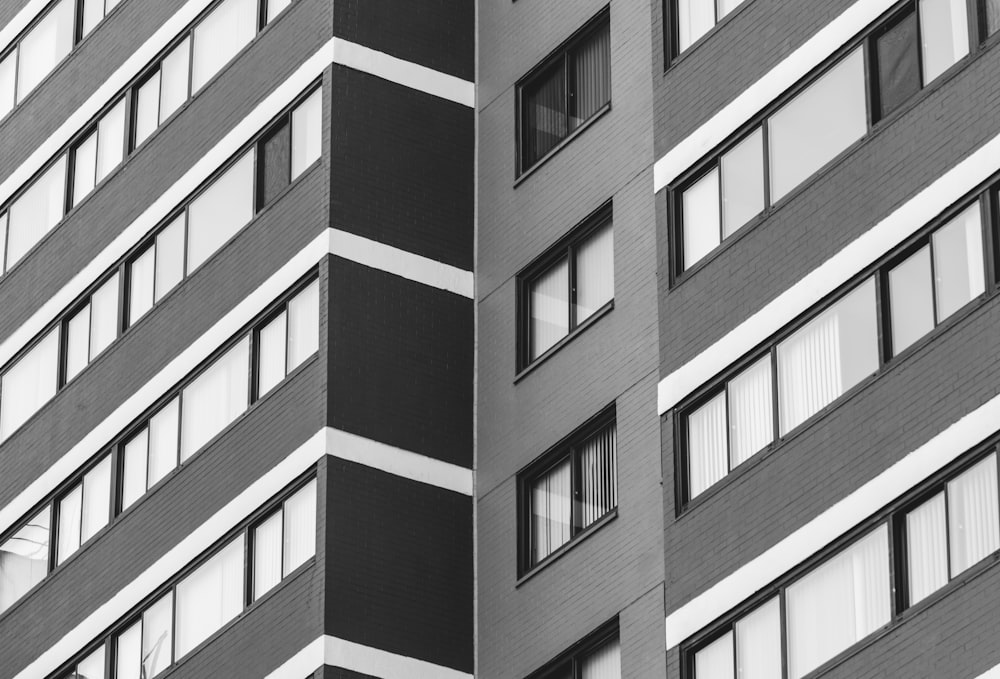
302	664
402	263
993	673
862	503
748	104
20	21
834	272
177	558
383	664
403	72
399	462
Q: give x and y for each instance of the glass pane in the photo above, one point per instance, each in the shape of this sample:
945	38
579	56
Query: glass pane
828	356
104	316
926	548
29	384
7	77
707	445
24	559
549	300
129	653
140	288
694	19
758	643
303	325
157	645
96	499
598	475
215	398
147	108
174	72
37	210
78	343
700	215
3	238
222	210
277	160
68	536
604	662
267	555
91	667
945	31
300	528
163	434
543	114
134	481
271	354
307	132
84	168
898	64
169	257
973	515
911	300
550	511
595	272
220	36
727	6
93	12
44	47
274	7
715	661
111	140
958	262
819	123
742	183
590	73
839	603
210	597
751	411
992	18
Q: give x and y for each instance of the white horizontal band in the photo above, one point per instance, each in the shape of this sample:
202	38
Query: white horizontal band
846	514
25	16
335	652
773	84
992	673
860	253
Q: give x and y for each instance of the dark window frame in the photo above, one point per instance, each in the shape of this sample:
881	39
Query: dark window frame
573	656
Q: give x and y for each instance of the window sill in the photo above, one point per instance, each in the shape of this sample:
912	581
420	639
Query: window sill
556	555
523	176
596	316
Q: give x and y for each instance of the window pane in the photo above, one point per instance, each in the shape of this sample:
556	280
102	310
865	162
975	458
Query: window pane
758	643
595	272
68	537
271	354
945	30
958	262
742	183
163	433
590	73
751	411
96	499
84	168
973	515
104	316
210	597
157	623
277	163
29	384
7	77
550	511
91	667
549	300
140	289
129	653
300	527
93	12
222	210
700	215
715	661
604	662
134	482
24	559
216	398
707	445
303	325
220	36
267	555
174	72
37	210
839	603
911	300
828	356
694	19
598	475
78	343
44	47
169	257
307	132
147	108
926	548
992	18
815	126
274	7
543	114
727	6
111	140
898	64
3	239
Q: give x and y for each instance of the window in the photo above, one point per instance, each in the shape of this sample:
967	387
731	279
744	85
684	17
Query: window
288	339
144	649
567	286
24	559
210	597
29	384
36	211
44	46
99	153
84	510
564	92
284	540
151	453
214	399
696	17
219	36
750	650
163	91
91	667
569	490
93	328
596	657
222	210
307	132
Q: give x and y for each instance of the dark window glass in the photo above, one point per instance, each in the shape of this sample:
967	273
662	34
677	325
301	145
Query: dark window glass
277	163
590	86
544	114
992	16
898	64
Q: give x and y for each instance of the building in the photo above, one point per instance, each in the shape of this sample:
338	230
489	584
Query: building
236	347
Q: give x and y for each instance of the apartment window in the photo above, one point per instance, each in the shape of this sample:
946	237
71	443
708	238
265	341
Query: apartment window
569	490
36	211
288	339
751	649
29	384
151	453
284	540
91	667
44	46
99	153
163	91
596	657
696	17
220	36
144	649
567	286
564	92
24	559
307	131
210	597
84	510
223	209
215	398
93	328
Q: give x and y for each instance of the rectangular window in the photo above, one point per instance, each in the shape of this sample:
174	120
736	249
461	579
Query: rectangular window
288	339
84	510
36	211
223	209
275	7
91	667
945	31
568	491
151	453
210	597
8	75
898	53
751	649
596	657
285	540
24	559
29	384
696	17
565	92
275	167
45	46
307	132
219	36
163	91
128	653
215	398
145	649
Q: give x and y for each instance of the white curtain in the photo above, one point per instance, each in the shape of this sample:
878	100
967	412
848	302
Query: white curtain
809	371
307	130
599	475
927	548
104	316
271	354
973	515
299	528
221	211
604	662
84	168
91	667
715	661
758	643
549	308
68	537
24	559
706	447
29	384
169	257
751	411
147	108
7	76
550	511
45	46
911	299
727	6
945	32
274	7
220	36
958	261
78	342
140	290
742	182
129	653
157	642
96	510
134	470
93	12
303	325
701	217
595	272
210	597
215	398
694	19
174	79
111	140
163	442
37	210
267	543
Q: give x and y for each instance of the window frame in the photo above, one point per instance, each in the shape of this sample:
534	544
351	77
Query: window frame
574	655
672	53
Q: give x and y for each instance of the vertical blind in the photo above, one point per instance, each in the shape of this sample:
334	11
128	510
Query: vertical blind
973	515
544	114
595	272
550	511
707	445
751	413
603	663
549	308
927	548
598	476
590	69
210	597
215	398
758	643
